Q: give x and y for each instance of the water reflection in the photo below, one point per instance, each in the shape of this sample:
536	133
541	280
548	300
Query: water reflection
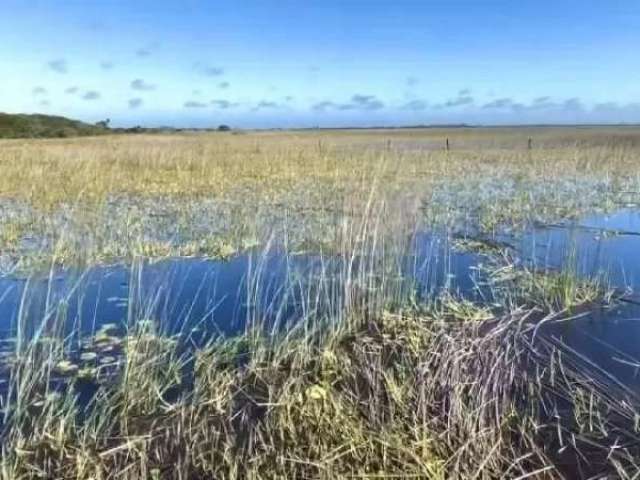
275	289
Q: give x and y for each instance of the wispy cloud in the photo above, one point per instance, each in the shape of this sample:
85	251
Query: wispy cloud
209	70
323	106
106	65
143	52
362	102
573	104
194	104
605	106
415	105
459	101
412	81
58	65
224	104
542	106
543	103
39	91
213	71
539	100
141	85
135	103
91	95
71	90
44	103
357	102
266	104
499	103
224	85
615	110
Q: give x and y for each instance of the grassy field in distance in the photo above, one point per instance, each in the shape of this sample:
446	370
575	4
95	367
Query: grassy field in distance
109	198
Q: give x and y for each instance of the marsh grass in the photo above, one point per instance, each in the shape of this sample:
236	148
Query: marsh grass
403	396
449	389
372	380
92	200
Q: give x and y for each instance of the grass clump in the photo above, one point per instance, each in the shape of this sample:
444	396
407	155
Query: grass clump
404	396
296	409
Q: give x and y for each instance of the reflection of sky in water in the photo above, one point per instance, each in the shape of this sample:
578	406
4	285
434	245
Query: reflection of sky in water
220	297
225	297
592	247
604	246
177	293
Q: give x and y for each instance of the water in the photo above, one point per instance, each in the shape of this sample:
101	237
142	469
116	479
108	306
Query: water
274	290
605	247
277	290
221	297
180	294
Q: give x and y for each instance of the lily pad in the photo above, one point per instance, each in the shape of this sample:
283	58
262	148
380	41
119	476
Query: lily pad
108	360
88	373
88	356
66	367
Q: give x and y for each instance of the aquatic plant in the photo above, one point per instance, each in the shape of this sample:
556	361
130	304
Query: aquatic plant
403	395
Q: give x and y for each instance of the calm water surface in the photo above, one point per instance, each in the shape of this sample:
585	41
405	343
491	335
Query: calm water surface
224	297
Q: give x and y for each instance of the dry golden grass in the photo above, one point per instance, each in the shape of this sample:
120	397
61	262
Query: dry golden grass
120	196
50	172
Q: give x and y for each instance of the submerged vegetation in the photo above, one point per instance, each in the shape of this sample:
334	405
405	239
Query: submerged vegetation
381	373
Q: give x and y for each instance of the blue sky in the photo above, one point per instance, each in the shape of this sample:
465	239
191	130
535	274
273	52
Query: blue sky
267	63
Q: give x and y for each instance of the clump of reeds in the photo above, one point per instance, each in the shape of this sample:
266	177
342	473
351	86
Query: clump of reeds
405	395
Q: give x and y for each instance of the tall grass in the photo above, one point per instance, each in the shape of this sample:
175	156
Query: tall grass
368	378
365	383
93	200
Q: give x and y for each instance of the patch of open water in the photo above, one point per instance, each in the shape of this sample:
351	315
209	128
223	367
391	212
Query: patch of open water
219	296
605	247
274	289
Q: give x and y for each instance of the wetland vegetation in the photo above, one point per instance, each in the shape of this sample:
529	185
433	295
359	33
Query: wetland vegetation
320	304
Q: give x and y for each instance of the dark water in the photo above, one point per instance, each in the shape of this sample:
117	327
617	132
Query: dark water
178	294
221	297
605	247
276	290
